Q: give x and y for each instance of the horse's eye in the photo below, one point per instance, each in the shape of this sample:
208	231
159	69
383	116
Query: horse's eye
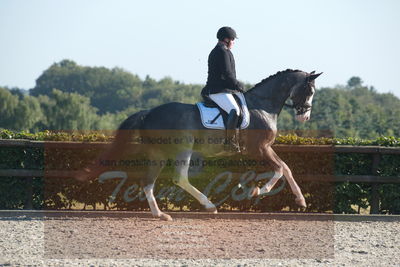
309	90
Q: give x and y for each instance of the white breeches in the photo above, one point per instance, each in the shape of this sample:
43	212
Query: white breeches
226	102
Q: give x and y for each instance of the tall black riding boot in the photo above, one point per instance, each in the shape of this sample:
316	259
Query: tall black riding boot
232	142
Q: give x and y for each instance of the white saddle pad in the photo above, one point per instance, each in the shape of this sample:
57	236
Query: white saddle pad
208	115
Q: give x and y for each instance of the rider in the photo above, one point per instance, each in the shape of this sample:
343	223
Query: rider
222	83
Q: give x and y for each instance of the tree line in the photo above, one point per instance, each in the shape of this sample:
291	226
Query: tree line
68	96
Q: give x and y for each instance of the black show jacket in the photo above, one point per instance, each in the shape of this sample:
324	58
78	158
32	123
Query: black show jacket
221	72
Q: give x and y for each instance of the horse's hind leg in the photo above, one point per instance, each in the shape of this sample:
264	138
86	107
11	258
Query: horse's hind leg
280	169
148	188
182	180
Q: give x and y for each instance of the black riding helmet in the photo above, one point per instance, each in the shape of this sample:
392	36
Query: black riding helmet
226	32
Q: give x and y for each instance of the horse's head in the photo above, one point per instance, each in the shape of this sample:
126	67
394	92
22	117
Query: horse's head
302	95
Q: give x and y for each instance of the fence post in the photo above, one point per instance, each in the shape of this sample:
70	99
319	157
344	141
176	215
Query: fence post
28	193
375	186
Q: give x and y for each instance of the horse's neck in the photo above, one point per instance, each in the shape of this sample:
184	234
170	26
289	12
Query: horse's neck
270	96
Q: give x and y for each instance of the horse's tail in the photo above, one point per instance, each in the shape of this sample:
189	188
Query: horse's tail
135	121
123	138
126	132
129	128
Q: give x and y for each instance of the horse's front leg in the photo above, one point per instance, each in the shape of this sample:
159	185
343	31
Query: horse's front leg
280	169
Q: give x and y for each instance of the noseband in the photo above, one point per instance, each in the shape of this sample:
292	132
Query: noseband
301	108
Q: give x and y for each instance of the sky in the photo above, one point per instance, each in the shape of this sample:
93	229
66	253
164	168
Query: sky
341	38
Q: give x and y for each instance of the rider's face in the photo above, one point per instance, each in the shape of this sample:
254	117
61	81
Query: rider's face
229	42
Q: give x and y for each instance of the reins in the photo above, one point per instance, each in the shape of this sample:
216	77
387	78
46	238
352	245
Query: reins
266	98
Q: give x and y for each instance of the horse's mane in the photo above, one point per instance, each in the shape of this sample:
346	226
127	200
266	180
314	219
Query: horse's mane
274	75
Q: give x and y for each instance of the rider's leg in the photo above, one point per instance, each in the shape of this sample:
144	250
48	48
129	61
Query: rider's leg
228	103
233	118
232	137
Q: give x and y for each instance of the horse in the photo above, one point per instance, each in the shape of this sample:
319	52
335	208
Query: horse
265	101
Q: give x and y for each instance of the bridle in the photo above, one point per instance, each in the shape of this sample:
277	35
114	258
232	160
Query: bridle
300	108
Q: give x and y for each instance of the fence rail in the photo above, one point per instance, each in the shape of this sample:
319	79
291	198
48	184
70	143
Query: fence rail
372	178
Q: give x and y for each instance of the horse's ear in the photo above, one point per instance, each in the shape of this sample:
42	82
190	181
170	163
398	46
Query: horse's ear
314	76
312	72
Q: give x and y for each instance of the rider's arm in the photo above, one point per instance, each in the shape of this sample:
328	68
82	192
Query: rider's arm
228	72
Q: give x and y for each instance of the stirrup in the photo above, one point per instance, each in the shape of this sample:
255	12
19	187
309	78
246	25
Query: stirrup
232	145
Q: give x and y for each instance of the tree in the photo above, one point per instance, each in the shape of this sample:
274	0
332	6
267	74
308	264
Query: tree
8	107
354	82
108	90
28	114
18	111
67	111
100	98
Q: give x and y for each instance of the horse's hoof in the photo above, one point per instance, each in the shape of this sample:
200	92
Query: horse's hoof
212	209
165	217
256	192
301	202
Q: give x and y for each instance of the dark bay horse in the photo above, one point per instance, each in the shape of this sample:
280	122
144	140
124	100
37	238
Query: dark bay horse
180	121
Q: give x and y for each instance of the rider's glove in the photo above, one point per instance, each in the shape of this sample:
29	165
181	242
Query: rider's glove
240	87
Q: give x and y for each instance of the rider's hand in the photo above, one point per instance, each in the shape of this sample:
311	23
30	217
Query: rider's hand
241	87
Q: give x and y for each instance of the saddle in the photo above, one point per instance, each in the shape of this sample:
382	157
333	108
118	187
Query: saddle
214	117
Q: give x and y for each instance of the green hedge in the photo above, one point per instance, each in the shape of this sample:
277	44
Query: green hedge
60	193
